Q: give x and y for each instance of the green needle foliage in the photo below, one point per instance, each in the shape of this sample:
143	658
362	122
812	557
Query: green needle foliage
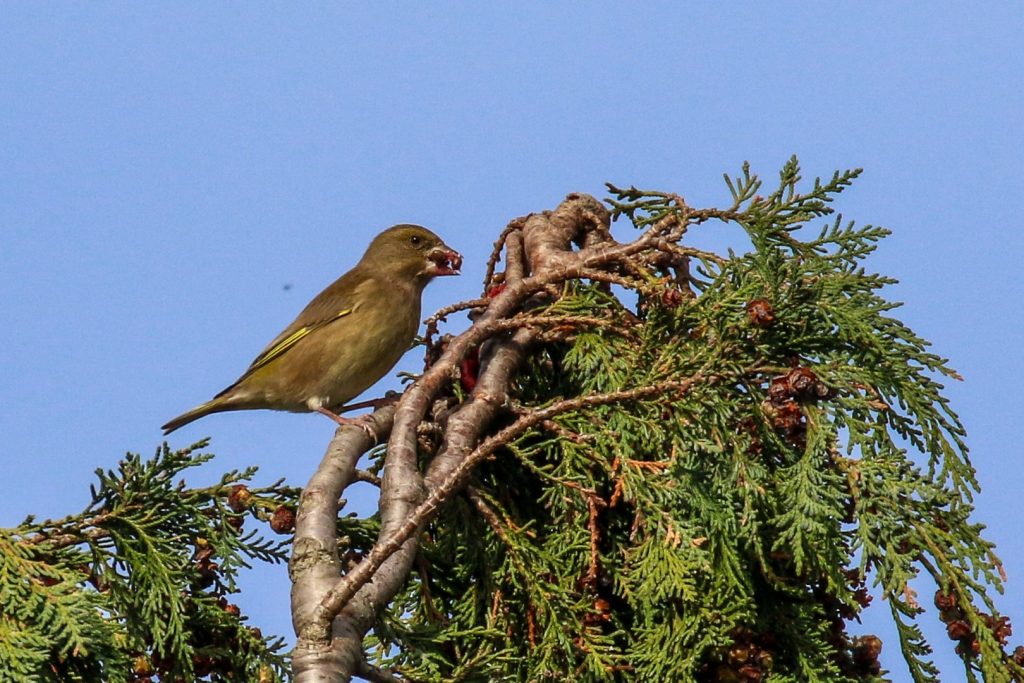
727	528
134	588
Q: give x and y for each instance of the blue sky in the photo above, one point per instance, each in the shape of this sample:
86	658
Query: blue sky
177	180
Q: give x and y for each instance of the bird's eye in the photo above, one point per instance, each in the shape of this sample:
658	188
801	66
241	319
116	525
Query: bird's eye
415	240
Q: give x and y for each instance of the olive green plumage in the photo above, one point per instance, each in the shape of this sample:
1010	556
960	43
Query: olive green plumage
348	336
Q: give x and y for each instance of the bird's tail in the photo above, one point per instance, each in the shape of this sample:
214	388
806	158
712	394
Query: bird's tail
217	405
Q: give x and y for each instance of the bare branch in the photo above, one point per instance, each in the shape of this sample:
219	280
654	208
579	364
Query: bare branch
488	513
367	477
376	674
315	566
499	244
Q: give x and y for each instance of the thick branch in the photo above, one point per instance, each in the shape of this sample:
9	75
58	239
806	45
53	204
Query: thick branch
315	566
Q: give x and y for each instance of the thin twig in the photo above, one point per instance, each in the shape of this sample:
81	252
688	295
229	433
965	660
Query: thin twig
367	477
442	313
375	674
489	515
526	320
499	244
595	536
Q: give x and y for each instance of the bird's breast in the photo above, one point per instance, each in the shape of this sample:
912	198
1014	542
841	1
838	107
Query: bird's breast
363	348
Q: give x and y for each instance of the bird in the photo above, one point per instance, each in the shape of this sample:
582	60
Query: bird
347	337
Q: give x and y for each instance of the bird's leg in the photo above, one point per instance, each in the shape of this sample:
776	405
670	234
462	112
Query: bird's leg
374	403
363	421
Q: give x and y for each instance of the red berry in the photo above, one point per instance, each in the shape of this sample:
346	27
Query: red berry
469	370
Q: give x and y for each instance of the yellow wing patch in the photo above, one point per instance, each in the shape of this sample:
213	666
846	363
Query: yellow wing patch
275	351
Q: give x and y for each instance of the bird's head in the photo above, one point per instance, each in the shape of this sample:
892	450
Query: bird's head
411	253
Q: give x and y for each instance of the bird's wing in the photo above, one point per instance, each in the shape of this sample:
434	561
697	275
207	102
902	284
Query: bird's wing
338	300
290	338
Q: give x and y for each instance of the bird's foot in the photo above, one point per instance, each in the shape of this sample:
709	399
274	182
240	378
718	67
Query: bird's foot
363	422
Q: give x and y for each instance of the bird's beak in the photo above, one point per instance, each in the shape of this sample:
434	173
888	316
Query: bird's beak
444	261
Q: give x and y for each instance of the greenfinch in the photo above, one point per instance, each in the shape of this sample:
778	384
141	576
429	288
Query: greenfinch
348	336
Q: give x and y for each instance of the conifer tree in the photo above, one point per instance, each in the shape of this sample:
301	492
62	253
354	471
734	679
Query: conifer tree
648	462
641	461
136	587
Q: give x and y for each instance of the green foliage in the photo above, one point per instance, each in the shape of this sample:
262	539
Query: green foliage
724	531
135	587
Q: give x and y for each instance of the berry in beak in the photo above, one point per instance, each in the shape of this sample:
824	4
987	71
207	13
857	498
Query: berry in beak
444	261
